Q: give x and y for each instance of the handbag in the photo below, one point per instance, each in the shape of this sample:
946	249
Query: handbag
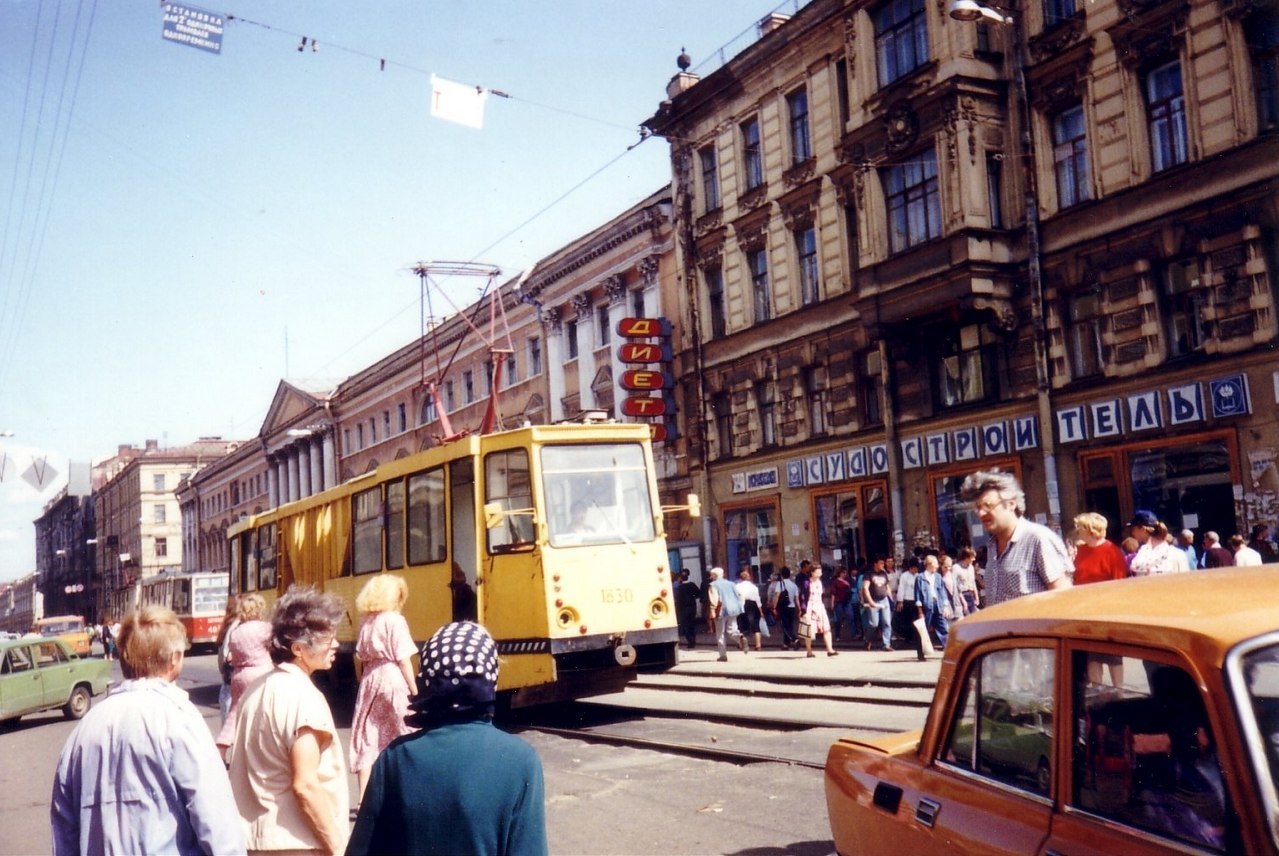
805	628
925	640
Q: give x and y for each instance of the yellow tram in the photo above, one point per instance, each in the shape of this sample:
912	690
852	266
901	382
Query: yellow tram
557	530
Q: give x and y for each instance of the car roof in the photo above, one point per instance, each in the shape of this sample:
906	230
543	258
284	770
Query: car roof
1209	609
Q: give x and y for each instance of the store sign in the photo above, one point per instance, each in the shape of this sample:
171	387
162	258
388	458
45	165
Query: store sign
754	480
1153	410
659	379
962	444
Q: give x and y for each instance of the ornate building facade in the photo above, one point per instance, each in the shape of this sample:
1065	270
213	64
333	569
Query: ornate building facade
913	246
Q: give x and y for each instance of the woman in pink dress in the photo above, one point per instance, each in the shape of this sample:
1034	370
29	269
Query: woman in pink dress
249	655
816	616
385	649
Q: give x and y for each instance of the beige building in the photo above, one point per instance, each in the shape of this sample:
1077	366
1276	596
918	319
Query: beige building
136	513
875	316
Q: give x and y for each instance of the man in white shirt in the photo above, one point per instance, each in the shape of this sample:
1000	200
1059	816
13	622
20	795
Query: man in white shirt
1244	555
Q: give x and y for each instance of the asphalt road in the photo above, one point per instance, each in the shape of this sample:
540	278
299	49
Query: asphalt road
599	799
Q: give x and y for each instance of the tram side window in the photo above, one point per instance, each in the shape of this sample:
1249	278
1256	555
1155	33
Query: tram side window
366	517
266	557
395	524
427	520
507	483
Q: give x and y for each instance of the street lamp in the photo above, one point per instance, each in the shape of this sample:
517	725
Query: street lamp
971	10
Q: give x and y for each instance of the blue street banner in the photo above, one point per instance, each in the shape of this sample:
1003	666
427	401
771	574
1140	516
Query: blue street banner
198	28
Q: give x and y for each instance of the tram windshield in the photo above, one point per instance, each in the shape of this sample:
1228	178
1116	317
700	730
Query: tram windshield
597	494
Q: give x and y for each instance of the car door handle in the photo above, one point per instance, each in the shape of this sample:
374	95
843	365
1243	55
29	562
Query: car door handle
926	812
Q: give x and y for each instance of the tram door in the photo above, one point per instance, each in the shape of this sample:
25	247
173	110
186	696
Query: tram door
462	532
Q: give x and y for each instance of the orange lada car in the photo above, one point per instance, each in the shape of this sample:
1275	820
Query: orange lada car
1131	717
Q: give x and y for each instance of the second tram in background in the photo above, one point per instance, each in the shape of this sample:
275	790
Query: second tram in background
553	533
199	601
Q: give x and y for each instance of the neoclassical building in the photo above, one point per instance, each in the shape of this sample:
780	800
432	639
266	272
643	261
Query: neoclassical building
899	265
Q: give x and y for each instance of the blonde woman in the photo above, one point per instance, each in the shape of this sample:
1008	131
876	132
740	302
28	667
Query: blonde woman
248	654
385	649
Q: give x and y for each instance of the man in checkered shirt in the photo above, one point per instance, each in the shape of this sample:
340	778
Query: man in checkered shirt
1023	557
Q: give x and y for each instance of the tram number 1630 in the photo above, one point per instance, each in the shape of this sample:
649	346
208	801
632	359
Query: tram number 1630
617	595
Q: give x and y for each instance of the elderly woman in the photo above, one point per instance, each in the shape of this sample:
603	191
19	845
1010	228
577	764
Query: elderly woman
248	656
287	768
385	649
1096	559
459	785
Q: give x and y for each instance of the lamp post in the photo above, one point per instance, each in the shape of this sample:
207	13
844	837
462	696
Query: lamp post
970	10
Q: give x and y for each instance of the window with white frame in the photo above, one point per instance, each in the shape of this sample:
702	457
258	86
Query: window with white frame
710	177
801	145
901	38
1070	156
752	154
1166	116
806	253
428	414
159	514
761	299
914	201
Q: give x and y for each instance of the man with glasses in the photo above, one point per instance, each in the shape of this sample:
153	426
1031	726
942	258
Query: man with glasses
1023	557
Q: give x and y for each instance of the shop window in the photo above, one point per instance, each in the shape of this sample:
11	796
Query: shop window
1166	116
715	301
1070	156
751	540
1085	349
914	201
806	251
852	525
801	146
1146	752
766	408
1185	302
710	178
722	409
1004	727
964	366
752	154
761	298
818	397
901	38
1263	49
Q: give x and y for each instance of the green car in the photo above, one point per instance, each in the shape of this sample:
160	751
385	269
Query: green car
42	674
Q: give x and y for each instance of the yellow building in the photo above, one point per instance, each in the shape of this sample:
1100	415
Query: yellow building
875	316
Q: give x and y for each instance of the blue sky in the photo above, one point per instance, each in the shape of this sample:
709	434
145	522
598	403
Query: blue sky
183	229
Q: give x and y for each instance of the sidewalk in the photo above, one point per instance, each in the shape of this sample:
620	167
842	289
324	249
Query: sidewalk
854	663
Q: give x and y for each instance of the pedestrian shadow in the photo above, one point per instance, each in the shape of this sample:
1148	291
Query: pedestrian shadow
799	848
205	695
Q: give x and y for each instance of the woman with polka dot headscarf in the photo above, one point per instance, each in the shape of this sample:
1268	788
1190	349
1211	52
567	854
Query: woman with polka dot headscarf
459	785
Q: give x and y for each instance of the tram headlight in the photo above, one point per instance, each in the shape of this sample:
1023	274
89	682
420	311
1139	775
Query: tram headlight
657	607
566	617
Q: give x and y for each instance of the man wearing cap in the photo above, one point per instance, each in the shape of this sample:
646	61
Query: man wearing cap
1156	554
1024	557
459	785
725	606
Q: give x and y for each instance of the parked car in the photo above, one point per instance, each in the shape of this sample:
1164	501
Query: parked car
42	674
1138	716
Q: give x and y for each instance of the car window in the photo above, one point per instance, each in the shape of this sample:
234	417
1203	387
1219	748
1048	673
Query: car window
49	653
17	660
1255	676
1145	754
1007	707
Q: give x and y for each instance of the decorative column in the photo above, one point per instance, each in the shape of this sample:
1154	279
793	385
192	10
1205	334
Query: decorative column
554	364
330	458
272	482
315	454
585	351
292	463
615	288
304	469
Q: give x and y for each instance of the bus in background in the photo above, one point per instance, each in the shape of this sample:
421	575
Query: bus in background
70	628
556	530
199	601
